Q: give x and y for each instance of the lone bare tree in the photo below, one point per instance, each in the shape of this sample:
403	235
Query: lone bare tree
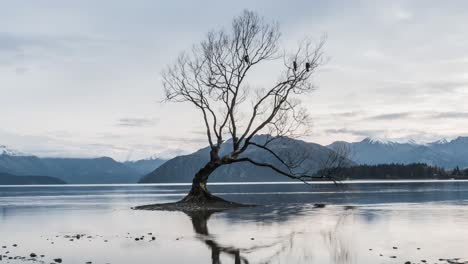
213	76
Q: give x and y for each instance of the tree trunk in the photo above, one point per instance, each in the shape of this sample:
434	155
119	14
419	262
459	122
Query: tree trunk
199	192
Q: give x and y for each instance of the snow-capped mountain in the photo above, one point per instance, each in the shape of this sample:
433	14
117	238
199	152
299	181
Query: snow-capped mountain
4	150
442	153
145	166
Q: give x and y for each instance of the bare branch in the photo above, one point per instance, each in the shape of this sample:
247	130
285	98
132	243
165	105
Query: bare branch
214	77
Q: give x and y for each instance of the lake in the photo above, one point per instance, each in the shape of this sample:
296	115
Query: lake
363	222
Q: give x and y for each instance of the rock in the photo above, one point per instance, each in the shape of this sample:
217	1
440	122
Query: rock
408	262
153	238
14	245
319	205
252	238
392	256
33	255
136	239
423	261
58	260
395	247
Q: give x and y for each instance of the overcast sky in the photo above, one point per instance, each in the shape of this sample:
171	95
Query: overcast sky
82	78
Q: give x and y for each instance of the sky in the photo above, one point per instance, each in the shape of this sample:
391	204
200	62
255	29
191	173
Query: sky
82	78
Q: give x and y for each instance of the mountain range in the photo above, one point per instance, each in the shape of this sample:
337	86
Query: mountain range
182	168
443	153
76	170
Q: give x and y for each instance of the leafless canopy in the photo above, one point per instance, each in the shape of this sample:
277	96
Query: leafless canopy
214	77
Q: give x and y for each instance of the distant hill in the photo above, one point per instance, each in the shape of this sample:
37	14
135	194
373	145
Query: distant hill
446	154
97	170
9	179
183	168
71	170
145	166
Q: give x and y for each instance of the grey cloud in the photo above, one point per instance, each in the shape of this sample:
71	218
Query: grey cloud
20	48
446	86
137	122
356	132
18	42
348	114
455	115
196	140
391	116
419	115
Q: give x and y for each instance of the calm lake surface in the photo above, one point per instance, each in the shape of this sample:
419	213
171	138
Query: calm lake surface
362	223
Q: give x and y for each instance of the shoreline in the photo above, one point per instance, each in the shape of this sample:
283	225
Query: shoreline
242	183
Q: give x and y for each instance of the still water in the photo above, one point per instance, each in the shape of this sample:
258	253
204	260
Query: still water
363	222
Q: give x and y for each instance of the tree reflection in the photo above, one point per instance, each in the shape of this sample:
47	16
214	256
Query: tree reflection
283	247
200	226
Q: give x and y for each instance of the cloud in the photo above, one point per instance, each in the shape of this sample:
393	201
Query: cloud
188	140
28	47
445	86
454	115
348	114
356	132
391	116
137	122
